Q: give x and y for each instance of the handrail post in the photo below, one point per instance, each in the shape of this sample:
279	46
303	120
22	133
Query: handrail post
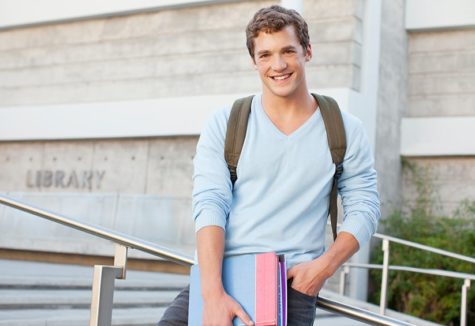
120	259
463	305
343	274
103	287
384	278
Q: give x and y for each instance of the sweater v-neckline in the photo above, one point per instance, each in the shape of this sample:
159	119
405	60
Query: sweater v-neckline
294	134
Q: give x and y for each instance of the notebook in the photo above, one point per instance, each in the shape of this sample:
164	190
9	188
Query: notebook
258	282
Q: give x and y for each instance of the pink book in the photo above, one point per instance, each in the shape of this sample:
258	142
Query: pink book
267	273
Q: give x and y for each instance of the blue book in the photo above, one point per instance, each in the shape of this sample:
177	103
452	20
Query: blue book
254	281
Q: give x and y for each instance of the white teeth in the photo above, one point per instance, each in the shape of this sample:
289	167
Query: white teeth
281	77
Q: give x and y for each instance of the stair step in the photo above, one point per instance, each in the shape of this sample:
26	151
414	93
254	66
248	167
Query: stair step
120	317
79	317
77	299
32	275
86	284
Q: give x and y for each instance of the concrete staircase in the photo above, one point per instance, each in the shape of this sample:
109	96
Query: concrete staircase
52	294
42	294
34	294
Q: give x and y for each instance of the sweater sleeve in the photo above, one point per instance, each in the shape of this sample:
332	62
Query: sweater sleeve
358	185
212	188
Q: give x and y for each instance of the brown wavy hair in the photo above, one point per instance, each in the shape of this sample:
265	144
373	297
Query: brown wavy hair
273	19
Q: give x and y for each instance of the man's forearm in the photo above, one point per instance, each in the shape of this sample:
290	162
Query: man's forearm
340	251
210	247
310	276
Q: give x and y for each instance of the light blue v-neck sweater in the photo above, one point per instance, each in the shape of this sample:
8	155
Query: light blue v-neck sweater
280	199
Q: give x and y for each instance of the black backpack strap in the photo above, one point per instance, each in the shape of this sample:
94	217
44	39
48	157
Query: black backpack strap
335	129
236	133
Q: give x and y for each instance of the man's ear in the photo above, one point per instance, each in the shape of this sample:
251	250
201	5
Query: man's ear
308	53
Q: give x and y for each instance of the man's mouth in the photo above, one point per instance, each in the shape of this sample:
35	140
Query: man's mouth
281	77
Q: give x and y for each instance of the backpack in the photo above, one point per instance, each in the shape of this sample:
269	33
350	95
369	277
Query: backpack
236	133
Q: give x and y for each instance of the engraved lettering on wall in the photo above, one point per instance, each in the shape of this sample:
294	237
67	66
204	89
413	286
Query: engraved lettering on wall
60	179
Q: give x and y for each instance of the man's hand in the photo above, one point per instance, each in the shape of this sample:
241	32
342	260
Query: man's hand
219	308
309	277
220	311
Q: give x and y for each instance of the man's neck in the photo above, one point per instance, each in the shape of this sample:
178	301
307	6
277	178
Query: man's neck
289	113
301	103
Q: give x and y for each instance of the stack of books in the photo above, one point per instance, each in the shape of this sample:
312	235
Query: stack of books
257	282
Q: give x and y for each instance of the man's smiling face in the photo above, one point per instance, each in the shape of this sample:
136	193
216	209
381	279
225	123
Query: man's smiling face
280	60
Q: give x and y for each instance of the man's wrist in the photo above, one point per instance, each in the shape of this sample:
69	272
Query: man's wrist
213	291
342	249
326	264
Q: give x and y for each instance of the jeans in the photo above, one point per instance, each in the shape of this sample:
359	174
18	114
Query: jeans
300	309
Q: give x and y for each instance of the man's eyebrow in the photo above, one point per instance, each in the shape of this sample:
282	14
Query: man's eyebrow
289	47
285	48
263	52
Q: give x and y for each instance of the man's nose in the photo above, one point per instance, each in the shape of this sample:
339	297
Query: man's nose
278	63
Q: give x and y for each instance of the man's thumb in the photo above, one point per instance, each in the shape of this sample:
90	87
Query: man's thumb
241	314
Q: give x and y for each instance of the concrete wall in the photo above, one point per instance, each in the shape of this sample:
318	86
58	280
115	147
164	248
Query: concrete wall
442	73
197	50
442	84
147	56
392	94
449	182
335	30
165	53
181	52
140	187
159	219
190	51
155	166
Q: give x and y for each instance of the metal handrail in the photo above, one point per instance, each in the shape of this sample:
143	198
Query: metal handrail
428	271
151	248
467	278
420	246
385	267
102	232
425	248
359	314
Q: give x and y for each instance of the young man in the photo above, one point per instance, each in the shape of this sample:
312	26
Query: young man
280	199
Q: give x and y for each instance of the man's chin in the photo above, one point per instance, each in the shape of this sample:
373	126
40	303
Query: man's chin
277	91
282	92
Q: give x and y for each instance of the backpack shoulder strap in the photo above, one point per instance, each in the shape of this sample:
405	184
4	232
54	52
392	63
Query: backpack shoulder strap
335	129
236	133
331	115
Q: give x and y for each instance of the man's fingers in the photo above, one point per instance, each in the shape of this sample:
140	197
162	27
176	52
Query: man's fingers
241	314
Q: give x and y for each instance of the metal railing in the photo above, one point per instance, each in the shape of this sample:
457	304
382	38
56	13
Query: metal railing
104	276
385	267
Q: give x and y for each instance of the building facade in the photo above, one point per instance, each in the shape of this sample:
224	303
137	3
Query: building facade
101	107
